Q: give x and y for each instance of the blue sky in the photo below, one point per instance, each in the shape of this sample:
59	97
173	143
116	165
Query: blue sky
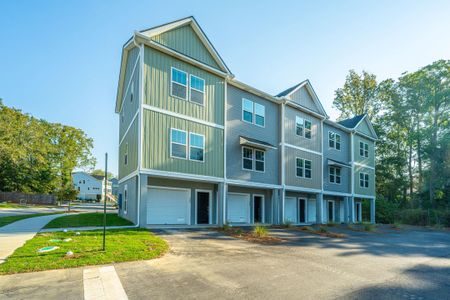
59	60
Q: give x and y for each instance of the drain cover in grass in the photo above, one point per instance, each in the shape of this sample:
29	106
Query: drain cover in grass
67	240
47	249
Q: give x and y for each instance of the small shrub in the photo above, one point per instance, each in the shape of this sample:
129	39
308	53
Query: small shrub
369	227
307	228
260	231
239	231
288	224
397	225
225	227
323	229
331	224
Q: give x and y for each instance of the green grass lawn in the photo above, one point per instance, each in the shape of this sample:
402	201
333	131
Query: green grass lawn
11	219
121	245
7	205
88	219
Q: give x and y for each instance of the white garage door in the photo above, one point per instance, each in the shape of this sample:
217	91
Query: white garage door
238	208
290	210
167	206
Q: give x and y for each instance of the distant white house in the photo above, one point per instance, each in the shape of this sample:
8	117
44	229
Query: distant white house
90	187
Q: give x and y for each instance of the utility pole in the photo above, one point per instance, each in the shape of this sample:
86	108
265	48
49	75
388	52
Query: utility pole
104	201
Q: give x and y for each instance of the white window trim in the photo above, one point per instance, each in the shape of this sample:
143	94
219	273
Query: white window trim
304	127
253	112
304	168
364	180
186	86
203	148
190	87
186	145
335	139
125	199
335	176
364	150
253	169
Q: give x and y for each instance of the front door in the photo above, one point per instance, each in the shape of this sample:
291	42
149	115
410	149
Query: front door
203	209
330	211
302	208
258	209
358	212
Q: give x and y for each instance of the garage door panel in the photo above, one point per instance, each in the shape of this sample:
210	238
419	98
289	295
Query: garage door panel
290	210
168	206
238	208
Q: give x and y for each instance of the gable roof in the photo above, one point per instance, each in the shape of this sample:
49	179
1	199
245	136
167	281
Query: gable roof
157	30
353	123
307	84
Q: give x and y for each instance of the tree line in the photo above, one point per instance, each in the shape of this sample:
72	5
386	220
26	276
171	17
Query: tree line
411	117
37	156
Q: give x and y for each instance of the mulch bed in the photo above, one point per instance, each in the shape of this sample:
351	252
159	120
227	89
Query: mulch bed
249	236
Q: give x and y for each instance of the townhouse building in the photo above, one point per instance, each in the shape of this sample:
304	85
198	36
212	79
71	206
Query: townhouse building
198	147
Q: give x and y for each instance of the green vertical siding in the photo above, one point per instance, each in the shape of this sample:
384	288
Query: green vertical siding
369	161
132	139
157	68
361	190
156	149
186	41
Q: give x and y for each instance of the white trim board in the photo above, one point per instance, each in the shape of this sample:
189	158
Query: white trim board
252	184
302	149
364	196
129	126
181	116
363	165
182	176
129	176
301	189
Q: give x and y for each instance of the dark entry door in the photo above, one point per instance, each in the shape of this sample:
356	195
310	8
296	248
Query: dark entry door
302	208
203	208
330	211
257	209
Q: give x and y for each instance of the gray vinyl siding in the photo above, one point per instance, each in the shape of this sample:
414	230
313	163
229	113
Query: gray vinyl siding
132	191
268	204
369	161
191	185
304	98
364	128
315	182
235	127
315	143
370	191
129	107
343	156
131	138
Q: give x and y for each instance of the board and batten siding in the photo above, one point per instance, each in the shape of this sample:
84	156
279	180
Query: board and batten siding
303	97
132	190
369	161
129	108
361	190
156	146
157	76
186	41
236	127
131	138
315	182
315	143
364	128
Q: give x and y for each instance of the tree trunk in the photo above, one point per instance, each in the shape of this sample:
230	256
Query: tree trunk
419	162
433	152
411	183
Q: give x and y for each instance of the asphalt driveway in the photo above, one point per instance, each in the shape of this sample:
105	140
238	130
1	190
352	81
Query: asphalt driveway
202	264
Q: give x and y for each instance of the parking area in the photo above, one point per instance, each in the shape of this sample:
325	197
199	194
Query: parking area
406	264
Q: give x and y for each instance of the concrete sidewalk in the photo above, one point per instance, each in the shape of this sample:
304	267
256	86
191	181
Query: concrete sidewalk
14	235
86	228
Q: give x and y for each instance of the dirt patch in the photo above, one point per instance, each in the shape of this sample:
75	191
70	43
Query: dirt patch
249	236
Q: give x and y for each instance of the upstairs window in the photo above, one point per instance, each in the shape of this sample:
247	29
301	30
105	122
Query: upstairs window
303	168
125	159
335	175
363	180
303	127
253	159
178	143
197	89
178	84
253	112
196	146
363	149
334	140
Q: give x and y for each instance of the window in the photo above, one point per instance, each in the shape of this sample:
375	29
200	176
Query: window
196	146
334	140
197	89
363	149
303	168
132	91
254	113
125	199
178	143
302	127
125	159
259	160
363	180
253	159
178	86
335	175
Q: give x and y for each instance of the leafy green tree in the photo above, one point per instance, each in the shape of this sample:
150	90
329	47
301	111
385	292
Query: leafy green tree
101	172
